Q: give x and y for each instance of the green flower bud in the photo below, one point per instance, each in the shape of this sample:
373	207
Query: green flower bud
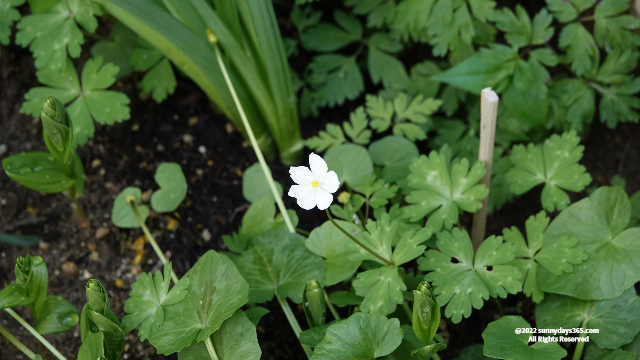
426	312
31	272
58	129
314	304
97	297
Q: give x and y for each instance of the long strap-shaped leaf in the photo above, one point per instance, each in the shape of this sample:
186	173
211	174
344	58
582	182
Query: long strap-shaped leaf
194	55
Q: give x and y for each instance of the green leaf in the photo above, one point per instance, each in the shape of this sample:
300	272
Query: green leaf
39	171
489	67
557	257
381	288
330	243
619	103
173	187
356	128
417	111
426	352
563	10
343	298
254	314
441	193
360	337
8	14
461	281
613	31
216	291
350	162
14	295
599	223
394	154
148	295
160	81
326	37
255	185
617	65
473	352
582	50
55	315
117	48
92	347
331	137
383	66
573	103
31	272
90	100
122	214
51	34
336	77
20	240
277	263
555	165
408	247
235	340
501	342
618	320
517	27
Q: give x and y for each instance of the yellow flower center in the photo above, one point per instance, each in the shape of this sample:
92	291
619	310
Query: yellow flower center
315	183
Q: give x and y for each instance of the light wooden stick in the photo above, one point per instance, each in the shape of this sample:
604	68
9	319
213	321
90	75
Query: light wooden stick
488	114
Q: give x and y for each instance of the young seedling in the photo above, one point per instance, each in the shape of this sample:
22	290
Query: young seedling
61	169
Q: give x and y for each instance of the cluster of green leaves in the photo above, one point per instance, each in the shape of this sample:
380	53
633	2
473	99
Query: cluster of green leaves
51	313
100	331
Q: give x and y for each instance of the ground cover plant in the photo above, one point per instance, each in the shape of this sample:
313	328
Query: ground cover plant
372	250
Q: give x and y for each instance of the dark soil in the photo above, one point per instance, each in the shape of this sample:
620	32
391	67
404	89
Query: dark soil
213	156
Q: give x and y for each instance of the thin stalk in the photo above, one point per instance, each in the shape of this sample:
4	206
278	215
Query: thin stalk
33	332
407	310
303	232
577	354
151	239
333	310
17	343
358	242
293	322
211	349
252	138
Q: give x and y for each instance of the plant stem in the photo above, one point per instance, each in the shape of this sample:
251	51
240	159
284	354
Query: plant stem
76	208
211	349
33	332
17	343
293	322
152	240
577	354
303	232
407	310
252	138
358	242
333	310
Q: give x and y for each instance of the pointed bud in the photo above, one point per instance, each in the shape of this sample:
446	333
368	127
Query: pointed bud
213	39
426	312
58	129
314	304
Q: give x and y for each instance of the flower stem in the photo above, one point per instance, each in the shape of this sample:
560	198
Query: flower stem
33	332
211	349
333	310
407	310
577	354
358	242
151	239
254	142
293	322
17	343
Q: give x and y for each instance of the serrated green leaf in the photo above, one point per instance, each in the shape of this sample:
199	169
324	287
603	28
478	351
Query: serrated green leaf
360	337
383	66
350	162
381	288
617	65
122	214
518	27
501	342
255	185
277	263
541	30
619	103
8	14
573	103
117	48
331	137
380	111
417	111
148	295
556	165
598	223
441	193
613	31
160	81
216	291
343	298
90	100
557	257
173	187
330	243
51	34
327	37
582	50
408	247
336	77
235	340
618	320
257	219
465	282
356	128
563	10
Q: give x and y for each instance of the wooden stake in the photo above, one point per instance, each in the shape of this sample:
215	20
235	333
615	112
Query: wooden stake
488	114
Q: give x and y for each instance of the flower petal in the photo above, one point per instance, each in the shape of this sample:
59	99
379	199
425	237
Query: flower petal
318	166
298	191
301	174
323	198
308	201
330	182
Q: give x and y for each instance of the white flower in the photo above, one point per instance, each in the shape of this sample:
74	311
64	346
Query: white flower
315	186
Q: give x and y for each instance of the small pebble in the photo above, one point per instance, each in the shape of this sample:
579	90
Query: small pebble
202	149
69	268
95	256
146	196
135	127
95	163
102	172
199	172
92	247
87	275
3	149
229	128
160	148
187	138
193	120
102	232
206	235
119	283
43	245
